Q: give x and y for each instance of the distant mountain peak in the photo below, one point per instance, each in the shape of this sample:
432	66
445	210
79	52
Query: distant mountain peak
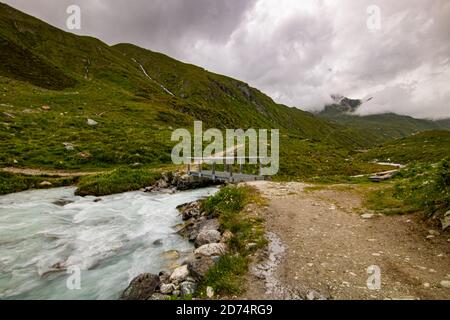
344	104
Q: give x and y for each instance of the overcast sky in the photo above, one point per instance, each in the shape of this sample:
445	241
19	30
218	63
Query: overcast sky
297	51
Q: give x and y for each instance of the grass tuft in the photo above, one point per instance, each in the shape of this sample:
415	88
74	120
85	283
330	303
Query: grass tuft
117	181
227	276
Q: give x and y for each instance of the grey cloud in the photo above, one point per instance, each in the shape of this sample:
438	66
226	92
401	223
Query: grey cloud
298	52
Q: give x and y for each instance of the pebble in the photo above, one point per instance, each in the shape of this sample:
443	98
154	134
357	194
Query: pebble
433	232
426	285
209	292
445	284
375	254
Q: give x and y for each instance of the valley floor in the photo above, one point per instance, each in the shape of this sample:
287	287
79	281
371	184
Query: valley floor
328	247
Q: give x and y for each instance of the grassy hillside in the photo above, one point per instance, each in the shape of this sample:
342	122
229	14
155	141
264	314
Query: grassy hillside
52	82
425	147
383	126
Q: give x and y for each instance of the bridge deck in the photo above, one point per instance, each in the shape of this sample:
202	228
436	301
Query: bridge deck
225	176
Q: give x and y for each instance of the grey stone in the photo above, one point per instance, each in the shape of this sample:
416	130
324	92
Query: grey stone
206	237
92	122
445	221
167	288
159	296
188	288
212	249
199	267
141	288
179	274
62	202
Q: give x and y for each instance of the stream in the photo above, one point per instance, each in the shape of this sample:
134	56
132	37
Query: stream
51	239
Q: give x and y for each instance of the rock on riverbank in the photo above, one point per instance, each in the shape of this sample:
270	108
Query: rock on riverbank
176	181
210	244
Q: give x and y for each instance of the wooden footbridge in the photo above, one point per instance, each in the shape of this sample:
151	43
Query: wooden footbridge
195	169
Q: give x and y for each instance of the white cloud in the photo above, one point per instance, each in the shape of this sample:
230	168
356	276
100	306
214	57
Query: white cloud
298	52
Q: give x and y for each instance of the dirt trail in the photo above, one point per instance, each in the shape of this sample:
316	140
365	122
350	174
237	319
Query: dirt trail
328	247
50	173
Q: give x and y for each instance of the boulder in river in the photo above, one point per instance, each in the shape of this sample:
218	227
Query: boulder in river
62	202
141	288
190	210
179	274
45	184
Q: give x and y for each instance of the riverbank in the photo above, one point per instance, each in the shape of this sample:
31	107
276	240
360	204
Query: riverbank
46	235
225	233
122	179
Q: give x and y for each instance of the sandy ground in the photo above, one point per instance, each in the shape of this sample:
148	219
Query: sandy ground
321	247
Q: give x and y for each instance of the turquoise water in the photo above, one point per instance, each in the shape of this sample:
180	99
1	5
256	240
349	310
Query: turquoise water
43	246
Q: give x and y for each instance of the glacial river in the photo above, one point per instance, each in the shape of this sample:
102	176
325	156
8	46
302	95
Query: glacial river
86	248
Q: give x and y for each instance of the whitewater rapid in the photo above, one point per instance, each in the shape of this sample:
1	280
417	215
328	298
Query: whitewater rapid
110	240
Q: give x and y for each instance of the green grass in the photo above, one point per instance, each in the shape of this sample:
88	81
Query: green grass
383	127
424	147
10	183
227	276
117	181
135	116
420	188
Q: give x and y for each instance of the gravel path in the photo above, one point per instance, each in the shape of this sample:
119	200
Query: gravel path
328	247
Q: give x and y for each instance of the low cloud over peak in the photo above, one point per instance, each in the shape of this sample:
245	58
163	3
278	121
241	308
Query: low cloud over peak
298	52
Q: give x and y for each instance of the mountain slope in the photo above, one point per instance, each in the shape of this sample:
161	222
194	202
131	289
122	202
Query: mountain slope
384	127
137	97
426	147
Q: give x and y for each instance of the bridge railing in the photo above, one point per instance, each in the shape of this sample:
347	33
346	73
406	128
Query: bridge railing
199	161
